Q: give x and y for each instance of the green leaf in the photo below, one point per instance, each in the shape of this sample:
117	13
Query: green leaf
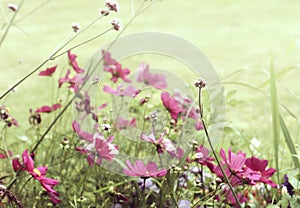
279	74
275	118
230	94
289	142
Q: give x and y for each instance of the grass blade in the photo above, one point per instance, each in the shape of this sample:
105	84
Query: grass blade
275	118
289	142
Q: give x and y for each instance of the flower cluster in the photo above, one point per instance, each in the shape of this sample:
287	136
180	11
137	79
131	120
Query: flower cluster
242	171
96	148
110	6
103	142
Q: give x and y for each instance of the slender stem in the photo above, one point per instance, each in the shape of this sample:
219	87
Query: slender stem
82	43
10	23
33	10
143	195
50	57
213	150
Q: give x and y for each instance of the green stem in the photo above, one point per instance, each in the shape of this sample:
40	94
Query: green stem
50	57
10	23
213	150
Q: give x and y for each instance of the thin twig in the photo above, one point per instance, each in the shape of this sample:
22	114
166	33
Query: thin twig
56	51
10	23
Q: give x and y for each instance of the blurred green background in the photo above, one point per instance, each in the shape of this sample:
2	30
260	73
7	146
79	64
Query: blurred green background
235	35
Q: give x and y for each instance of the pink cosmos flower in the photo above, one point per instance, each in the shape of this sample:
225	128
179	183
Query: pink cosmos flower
163	144
199	125
39	174
235	179
171	105
104	105
234	162
117	72
202	156
74	82
187	111
82	134
74	64
107	59
84	106
260	167
124	123
129	91
4	155
231	200
156	80
16	164
99	149
144	171
235	169
48	109
48	72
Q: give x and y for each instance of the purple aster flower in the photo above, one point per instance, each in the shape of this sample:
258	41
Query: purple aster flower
289	187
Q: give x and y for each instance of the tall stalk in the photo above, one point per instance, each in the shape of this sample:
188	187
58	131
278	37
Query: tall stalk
201	84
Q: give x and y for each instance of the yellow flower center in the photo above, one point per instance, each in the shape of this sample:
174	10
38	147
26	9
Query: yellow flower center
37	171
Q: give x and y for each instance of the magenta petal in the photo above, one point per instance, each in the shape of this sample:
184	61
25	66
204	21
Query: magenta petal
48	71
56	106
139	167
149	138
162	173
109	90
223	155
28	161
44	109
151	167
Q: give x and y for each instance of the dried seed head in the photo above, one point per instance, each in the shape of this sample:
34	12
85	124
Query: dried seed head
116	24
106	127
104	12
12	7
75	27
112	5
200	83
65	141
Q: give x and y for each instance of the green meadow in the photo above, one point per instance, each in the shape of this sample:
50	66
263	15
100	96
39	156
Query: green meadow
244	41
240	38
